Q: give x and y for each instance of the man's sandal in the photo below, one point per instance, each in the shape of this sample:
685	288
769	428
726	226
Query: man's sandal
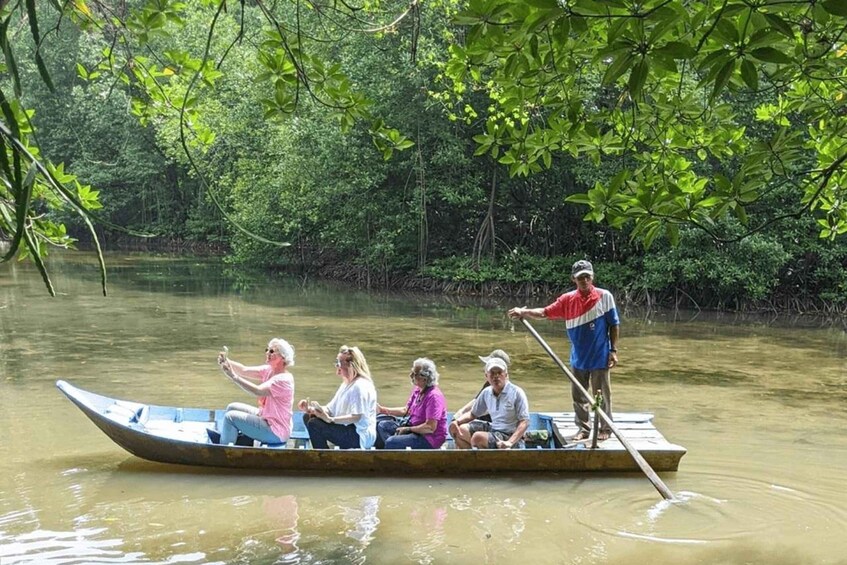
582	435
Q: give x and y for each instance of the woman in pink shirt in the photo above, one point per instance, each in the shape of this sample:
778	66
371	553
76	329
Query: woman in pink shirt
270	422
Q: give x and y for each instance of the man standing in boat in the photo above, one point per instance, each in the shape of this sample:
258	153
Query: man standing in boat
592	323
508	407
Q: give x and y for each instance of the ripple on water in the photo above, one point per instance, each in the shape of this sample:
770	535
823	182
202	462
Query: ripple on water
82	545
45	546
18	518
723	508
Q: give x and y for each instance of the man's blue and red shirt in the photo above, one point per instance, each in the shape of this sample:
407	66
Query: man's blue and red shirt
588	319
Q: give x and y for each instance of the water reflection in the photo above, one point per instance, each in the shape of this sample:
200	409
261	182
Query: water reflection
431	538
284	514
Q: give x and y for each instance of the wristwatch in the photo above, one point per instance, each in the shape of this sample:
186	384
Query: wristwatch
613	349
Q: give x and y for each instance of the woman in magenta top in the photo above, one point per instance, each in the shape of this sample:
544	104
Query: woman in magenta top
426	410
270	422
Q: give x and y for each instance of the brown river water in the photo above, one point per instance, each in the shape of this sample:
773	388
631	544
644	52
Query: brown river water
759	402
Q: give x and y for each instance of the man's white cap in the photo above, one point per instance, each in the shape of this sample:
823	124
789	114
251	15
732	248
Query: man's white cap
495	362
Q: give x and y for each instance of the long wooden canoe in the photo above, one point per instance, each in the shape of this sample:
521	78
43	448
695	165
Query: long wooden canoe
178	435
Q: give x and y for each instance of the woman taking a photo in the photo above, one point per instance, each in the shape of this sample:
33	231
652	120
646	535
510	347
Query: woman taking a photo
349	419
270	422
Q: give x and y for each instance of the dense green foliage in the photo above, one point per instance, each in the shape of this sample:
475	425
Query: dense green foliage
650	91
462	148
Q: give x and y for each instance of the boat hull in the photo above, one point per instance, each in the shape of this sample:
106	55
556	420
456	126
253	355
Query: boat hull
137	439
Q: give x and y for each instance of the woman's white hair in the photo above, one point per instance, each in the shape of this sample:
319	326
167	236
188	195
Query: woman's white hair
427	369
285	349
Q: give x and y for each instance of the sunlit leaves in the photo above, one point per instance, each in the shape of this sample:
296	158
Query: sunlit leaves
149	22
653	84
387	140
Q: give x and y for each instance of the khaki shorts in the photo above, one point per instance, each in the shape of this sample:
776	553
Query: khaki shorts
493	435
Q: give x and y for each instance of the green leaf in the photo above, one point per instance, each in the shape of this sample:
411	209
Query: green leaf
770	55
651	232
33	22
740	213
12	124
835	7
637	78
780	25
541	19
663	62
543	4
763	38
11	65
508	159
710	202
726	30
23	202
617	68
579	199
750	74
42	70
467	18
677	49
666	21
722	78
672	233
715	58
34	251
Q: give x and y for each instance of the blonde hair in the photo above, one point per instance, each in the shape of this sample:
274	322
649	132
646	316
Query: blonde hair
356	358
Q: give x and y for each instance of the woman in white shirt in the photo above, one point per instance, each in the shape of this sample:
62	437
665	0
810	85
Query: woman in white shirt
349	419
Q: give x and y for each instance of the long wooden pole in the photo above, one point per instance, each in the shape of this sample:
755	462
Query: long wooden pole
639	460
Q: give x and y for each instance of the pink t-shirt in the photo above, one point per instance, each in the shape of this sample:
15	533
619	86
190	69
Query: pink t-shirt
277	407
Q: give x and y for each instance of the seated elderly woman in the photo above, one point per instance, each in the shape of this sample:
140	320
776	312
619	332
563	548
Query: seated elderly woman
349	419
270	422
426	411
